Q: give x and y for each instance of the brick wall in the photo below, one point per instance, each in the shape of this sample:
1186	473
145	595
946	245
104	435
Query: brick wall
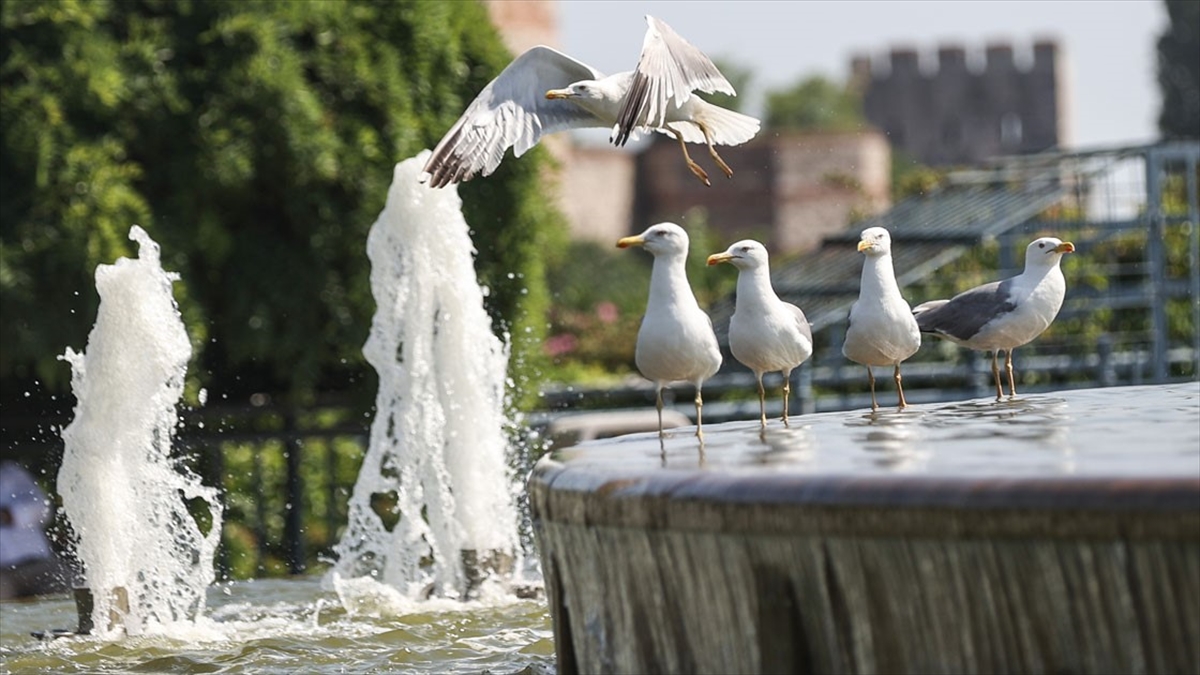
788	189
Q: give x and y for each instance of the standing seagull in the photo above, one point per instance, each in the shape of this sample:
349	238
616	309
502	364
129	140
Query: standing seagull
882	331
1003	314
544	91
766	334
676	341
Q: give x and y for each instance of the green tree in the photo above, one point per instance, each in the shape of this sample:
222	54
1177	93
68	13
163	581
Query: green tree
1179	71
255	142
814	104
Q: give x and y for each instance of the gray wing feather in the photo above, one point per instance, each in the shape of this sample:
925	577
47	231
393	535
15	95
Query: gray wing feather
801	321
928	306
668	71
966	313
512	111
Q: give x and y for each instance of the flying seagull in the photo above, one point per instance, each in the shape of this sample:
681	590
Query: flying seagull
766	334
1003	315
882	331
544	91
676	340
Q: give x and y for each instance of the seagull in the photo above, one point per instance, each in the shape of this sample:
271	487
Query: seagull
1003	314
882	330
544	91
676	341
766	334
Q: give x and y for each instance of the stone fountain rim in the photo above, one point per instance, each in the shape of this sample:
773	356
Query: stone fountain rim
1131	508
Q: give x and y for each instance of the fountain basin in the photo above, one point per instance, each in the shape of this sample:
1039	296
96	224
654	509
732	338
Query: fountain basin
1055	532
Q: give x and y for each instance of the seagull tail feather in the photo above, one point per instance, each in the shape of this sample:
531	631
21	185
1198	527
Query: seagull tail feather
727	127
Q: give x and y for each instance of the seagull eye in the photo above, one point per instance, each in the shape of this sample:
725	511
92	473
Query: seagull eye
1042	245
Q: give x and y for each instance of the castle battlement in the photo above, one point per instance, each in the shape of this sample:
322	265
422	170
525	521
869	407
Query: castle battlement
952	105
952	59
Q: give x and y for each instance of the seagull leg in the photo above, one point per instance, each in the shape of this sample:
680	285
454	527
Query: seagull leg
699	417
762	402
713	151
1012	387
899	388
787	393
871	379
695	168
996	375
659	405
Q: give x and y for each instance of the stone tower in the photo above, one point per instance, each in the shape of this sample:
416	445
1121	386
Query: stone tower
952	111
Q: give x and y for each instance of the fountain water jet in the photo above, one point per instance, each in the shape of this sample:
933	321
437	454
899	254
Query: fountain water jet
144	557
437	453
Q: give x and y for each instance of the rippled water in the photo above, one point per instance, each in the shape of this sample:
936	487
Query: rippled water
294	626
1113	432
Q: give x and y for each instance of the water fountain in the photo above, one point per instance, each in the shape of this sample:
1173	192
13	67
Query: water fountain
424	589
1055	532
145	560
1049	533
437	453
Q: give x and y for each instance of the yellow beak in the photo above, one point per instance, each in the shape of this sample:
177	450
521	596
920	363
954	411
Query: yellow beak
863	245
1065	247
626	242
558	93
718	258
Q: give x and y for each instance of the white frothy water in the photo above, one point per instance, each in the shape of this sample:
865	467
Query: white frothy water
437	447
144	557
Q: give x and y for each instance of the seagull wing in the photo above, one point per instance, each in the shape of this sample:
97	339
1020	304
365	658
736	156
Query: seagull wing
669	70
927	306
966	313
512	111
802	324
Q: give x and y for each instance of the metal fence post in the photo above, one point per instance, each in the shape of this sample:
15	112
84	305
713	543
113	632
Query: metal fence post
1156	259
293	522
804	390
1105	371
1194	258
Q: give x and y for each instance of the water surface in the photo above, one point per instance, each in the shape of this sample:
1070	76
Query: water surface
294	626
1118	432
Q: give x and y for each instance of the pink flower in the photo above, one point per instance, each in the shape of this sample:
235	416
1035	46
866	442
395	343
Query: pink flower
557	345
607	311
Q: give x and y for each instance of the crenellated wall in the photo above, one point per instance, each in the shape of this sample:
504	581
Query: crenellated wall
959	107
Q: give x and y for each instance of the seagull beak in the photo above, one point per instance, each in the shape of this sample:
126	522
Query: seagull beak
863	245
558	93
718	258
1065	247
626	242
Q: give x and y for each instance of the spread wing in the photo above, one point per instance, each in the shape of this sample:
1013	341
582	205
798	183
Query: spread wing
966	313
512	111
668	71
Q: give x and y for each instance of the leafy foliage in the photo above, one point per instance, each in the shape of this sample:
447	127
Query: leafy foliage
255	142
815	104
